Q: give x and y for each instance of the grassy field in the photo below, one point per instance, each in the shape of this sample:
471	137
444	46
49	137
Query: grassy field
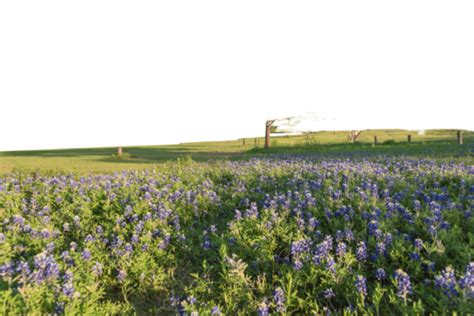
438	144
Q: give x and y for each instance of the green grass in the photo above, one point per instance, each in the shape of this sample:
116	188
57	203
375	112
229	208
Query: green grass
437	144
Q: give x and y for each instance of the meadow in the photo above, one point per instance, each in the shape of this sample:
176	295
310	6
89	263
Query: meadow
312	226
437	144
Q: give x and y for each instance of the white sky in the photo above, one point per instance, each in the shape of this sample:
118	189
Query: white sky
98	73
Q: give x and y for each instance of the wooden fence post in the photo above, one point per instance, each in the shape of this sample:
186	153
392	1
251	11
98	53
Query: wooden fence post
243	141
119	152
409	138
375	140
460	141
268	126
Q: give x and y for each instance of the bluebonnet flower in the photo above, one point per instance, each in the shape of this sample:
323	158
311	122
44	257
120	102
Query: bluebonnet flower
313	223
135	239
298	265
59	308
300	223
262	309
147	196
192	300
467	281
213	229
128	248
415	256
147	216
174	301
380	274
86	254
373	227
331	264
380	248
206	245
73	246
77	221
89	238
360	284
328	294
447	282
46	234
50	247
323	250
68	276
99	230
97	269
139	227
162	245
418	244
18	220
2	238
349	235
7	270
403	284
252	212
128	210
216	311
268	225
46	268
341	249
299	247
67	258
279	298
23	268
361	252
68	289
349	309
430	266
122	275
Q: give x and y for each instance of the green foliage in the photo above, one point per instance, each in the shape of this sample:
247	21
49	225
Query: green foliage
239	237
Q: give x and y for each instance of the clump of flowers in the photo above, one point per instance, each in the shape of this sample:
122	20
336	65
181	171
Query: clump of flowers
361	285
447	282
403	284
279	299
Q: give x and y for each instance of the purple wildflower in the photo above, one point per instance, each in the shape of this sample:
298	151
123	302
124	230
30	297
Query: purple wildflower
418	244
360	284
97	269
361	252
46	268
328	294
279	298
467	281
341	249
86	254
403	284
447	282
262	309
68	289
380	274
216	311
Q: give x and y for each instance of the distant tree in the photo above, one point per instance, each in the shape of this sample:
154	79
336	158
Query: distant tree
353	135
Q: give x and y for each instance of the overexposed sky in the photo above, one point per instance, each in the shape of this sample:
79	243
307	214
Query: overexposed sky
103	73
